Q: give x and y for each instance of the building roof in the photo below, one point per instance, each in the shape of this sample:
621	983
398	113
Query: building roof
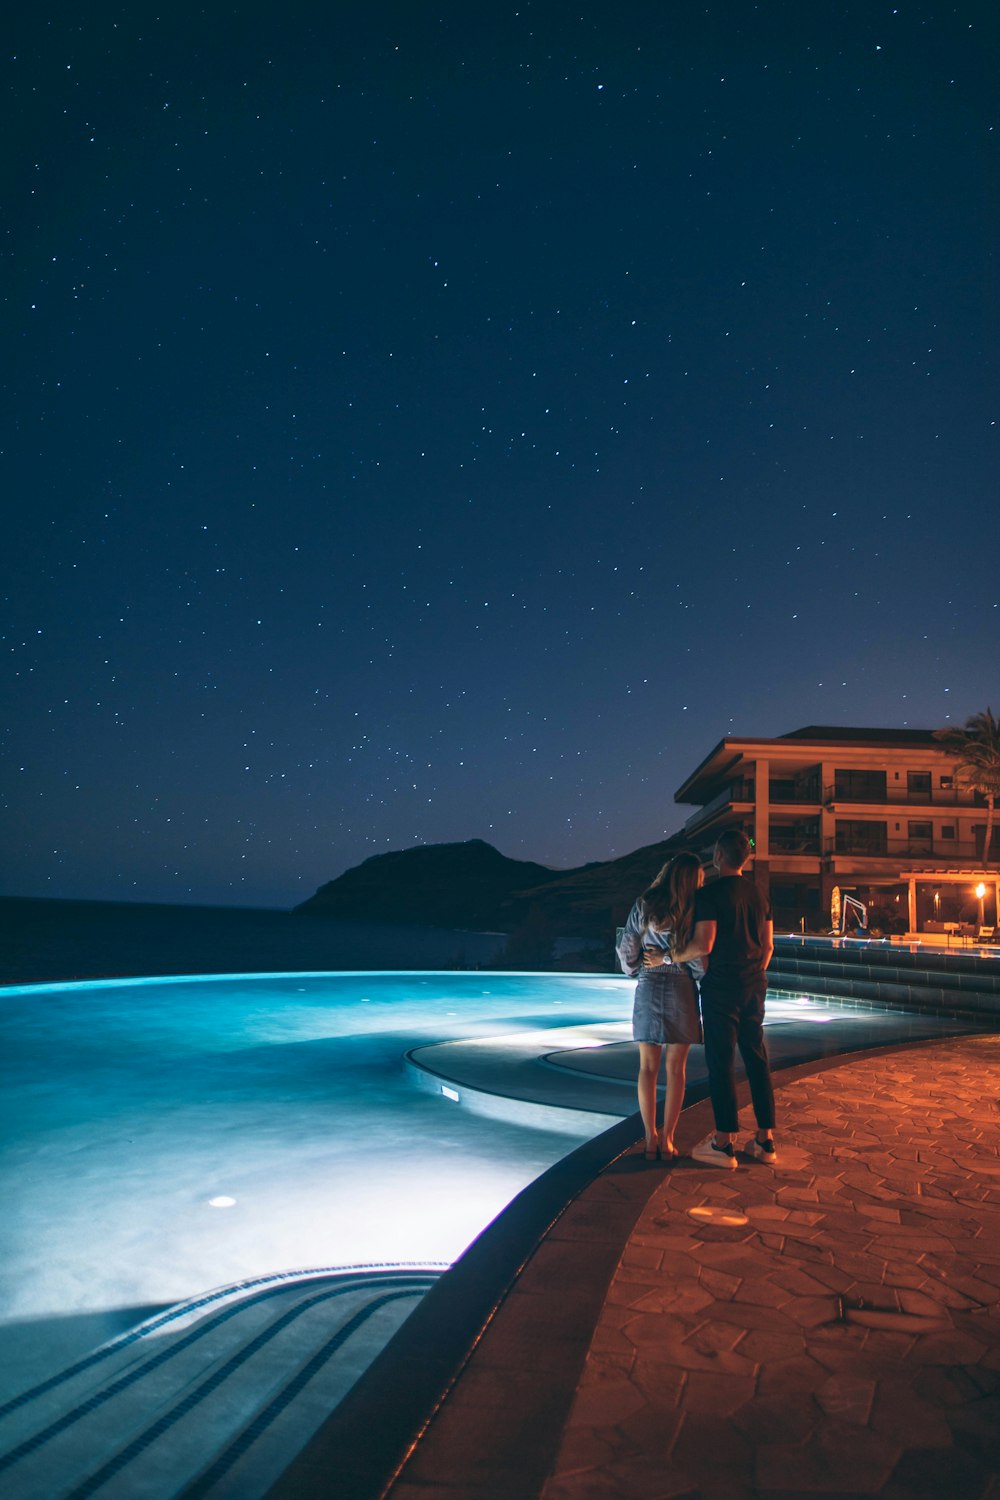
730	749
844	734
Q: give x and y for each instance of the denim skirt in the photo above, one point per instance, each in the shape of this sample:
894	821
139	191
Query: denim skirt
666	1007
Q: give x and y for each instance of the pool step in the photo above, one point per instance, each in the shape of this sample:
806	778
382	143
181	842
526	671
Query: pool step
213	1397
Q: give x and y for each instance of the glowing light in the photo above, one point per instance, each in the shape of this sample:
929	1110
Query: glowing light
727	1218
221	1202
980	890
451	1093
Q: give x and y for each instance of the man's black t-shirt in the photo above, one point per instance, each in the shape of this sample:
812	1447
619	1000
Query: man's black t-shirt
740	913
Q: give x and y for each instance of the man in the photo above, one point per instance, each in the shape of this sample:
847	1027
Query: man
734	934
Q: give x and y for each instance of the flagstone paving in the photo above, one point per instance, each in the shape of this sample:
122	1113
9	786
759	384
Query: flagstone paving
829	1326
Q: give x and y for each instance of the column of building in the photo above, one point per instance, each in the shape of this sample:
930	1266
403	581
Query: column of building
762	826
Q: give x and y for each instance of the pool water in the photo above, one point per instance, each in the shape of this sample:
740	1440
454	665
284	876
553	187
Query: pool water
131	1113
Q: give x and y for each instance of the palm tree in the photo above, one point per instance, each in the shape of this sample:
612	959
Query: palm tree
976	749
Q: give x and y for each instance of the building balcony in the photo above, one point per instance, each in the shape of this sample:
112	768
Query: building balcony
900	797
792	843
741	792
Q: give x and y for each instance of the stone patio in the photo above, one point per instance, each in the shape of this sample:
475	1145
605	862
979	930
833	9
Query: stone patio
830	1326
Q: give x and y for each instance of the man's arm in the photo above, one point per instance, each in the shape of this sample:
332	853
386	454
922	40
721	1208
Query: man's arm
701	944
768	943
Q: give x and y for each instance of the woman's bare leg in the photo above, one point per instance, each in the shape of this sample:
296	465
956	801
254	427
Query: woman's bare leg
677	1056
649	1072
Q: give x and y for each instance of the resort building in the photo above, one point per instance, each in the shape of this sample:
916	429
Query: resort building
873	813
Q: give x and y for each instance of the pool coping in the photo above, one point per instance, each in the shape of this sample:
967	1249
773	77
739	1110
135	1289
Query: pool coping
365	1443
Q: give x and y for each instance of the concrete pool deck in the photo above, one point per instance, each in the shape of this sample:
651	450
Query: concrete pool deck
829	1326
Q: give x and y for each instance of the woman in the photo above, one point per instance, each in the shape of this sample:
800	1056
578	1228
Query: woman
665	1012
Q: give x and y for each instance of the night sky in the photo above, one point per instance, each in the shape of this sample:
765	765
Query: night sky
427	422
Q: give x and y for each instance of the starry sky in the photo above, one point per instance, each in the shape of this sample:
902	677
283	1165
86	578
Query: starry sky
434	421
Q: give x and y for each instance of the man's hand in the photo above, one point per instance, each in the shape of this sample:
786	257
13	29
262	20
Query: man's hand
654	958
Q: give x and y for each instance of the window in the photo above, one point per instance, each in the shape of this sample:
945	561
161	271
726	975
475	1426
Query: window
948	830
859	786
920	830
856	837
918	783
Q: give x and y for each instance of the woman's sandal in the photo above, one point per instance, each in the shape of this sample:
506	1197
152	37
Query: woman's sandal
669	1153
652	1151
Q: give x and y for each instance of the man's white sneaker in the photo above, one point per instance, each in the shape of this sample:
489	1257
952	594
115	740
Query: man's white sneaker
761	1150
712	1155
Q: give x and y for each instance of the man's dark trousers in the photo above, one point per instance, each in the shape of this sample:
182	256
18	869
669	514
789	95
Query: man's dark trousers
733	1016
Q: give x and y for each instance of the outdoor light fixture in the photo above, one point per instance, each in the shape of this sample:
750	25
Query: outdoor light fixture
450	1093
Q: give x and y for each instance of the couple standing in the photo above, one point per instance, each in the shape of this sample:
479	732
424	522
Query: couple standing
682	935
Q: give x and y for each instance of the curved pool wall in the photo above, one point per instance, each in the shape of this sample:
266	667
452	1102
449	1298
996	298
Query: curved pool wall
166	1137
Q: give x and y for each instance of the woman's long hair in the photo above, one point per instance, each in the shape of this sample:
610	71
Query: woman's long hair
668	904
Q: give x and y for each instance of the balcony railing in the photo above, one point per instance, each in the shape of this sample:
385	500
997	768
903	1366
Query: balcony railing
807	792
789	845
902	797
944	852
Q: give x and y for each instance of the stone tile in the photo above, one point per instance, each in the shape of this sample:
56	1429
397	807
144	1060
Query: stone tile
783	1377
808	1252
847	1397
920	1303
797	1281
721	1284
637	1476
761	1293
673	1261
708	1392
661	1385
902	1416
715	1337
792	1418
928	1474
761	1346
706	1446
610	1341
948	1349
628	1283
749	1315
605	1398
653	1433
640	1256
584	1447
942	1387
976	1429
683	1295
809	1312
880	1212
882	1345
766	1212
668	1345
839	1457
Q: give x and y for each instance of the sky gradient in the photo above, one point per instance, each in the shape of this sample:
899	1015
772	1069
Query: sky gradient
434	422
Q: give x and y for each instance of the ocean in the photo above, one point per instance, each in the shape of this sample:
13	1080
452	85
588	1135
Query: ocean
43	940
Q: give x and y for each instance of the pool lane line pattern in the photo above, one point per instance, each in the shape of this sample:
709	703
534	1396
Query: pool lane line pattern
404	1284
278	1280
208	1386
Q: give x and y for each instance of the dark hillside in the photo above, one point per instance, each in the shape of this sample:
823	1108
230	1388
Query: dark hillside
467	885
474	886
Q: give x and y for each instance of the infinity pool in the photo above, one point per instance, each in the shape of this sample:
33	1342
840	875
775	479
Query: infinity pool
167	1137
